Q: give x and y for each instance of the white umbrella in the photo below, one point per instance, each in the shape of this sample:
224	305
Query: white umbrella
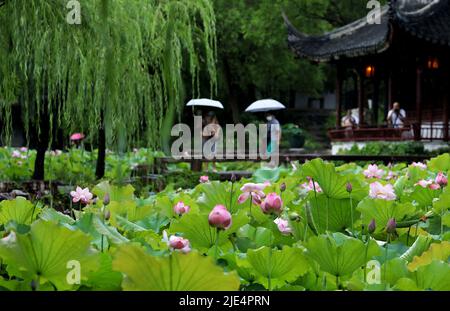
265	105
205	103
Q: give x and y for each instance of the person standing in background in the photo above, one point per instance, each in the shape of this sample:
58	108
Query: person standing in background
273	131
396	117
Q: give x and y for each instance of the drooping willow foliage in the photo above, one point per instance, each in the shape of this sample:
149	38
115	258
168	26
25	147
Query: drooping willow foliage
124	66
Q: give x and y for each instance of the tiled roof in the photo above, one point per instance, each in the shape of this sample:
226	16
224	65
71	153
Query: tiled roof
427	20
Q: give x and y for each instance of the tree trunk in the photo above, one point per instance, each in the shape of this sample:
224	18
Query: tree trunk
42	135
39	164
100	168
233	94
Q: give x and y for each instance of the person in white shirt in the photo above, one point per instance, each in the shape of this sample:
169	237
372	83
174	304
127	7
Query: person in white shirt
396	117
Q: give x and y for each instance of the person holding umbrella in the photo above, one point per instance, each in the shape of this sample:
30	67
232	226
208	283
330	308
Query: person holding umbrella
273	125
273	131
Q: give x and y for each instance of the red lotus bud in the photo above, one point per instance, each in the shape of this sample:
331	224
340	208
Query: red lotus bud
391	226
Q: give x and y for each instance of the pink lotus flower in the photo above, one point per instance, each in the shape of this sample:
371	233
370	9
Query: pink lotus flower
309	186
373	171
420	165
180	208
435	187
16	154
177	243
255	191
23	149
219	217
267	183
378	191
424	183
81	195
204	179
391	175
283	226
75	137
272	204
441	179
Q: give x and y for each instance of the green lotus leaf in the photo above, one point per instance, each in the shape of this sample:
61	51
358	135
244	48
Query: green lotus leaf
155	222
215	193
104	278
129	210
196	229
127	225
440	163
324	173
406	284
110	232
116	193
395	269
266	174
339	254
434	276
442	205
436	251
423	196
420	245
46	252
49	214
19	210
337	211
251	237
446	220
383	210
282	266
177	272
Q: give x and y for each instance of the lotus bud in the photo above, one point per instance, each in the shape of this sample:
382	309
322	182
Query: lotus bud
349	187
391	226
219	217
283	187
272	204
441	180
107	214
233	177
106	199
372	226
180	208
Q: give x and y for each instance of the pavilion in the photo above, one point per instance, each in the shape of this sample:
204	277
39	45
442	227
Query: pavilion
405	59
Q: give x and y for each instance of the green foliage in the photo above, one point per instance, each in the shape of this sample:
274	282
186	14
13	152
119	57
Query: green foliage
43	254
338	254
177	272
387	148
126	62
280	266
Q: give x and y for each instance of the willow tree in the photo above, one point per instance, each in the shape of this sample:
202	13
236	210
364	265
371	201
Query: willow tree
118	76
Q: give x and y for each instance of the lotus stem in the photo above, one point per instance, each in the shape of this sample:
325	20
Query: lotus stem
351	212
231	195
365	259
317	204
251	201
269	276
385	259
216	244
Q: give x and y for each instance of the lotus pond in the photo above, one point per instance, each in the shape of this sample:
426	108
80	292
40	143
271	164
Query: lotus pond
312	227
